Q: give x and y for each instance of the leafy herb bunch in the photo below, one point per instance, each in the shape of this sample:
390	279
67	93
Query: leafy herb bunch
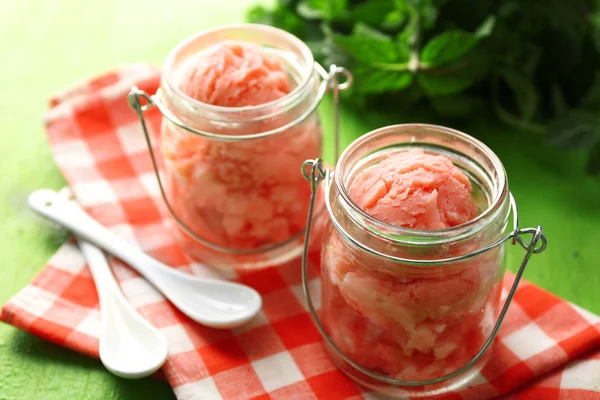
535	62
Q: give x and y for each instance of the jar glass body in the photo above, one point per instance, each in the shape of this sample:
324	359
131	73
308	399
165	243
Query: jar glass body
238	185
386	310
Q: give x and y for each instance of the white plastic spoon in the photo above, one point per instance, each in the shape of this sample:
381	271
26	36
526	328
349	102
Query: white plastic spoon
130	347
211	302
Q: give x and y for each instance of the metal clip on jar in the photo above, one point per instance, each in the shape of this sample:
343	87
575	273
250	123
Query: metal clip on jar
231	181
412	312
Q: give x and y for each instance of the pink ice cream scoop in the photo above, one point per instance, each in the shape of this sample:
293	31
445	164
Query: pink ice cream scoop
413	189
240	194
400	322
234	74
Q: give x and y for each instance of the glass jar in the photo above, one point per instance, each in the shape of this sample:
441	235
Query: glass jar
411	312
231	179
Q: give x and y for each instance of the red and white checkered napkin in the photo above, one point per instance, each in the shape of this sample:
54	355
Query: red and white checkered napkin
98	144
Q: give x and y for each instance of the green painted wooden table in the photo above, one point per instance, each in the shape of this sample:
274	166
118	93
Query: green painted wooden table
47	45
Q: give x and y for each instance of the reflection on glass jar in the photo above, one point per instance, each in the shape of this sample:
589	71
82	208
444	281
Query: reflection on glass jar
402	309
231	171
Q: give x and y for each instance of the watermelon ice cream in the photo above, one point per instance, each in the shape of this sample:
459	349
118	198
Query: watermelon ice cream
239	194
417	190
234	74
411	323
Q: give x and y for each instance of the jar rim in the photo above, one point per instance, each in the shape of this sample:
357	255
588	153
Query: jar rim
304	52
445	234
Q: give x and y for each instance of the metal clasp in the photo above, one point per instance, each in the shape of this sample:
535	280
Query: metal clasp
536	245
329	82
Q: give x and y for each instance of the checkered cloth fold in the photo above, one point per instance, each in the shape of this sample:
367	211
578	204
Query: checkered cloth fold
547	348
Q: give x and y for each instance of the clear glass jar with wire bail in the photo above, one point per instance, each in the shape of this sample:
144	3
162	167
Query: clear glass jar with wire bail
412	312
230	173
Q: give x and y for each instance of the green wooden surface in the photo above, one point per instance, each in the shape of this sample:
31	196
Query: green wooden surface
47	45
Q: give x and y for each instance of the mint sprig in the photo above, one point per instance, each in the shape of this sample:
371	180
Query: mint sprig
535	63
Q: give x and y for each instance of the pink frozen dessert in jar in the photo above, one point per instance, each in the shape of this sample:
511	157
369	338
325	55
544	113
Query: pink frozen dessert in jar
249	94
400	198
234	74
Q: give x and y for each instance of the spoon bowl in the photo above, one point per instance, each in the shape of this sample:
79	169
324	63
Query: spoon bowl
211	302
130	347
133	350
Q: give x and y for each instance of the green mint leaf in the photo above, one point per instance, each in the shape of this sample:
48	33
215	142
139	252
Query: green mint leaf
286	3
428	10
455	78
454	106
448	47
371	80
577	129
280	16
394	20
523	90
486	28
429	13
361	29
306	11
333	54
258	15
444	84
409	36
322	9
285	18
317	47
367	48
373	12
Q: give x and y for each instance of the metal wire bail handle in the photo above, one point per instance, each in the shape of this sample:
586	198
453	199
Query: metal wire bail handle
137	98
318	173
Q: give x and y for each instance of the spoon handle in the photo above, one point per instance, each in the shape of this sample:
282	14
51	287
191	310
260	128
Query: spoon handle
106	284
68	214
